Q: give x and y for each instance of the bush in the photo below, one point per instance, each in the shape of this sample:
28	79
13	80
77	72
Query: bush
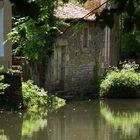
121	83
35	97
3	86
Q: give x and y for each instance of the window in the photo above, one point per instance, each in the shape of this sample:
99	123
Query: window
85	38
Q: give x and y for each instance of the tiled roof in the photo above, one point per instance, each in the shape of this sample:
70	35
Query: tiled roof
71	11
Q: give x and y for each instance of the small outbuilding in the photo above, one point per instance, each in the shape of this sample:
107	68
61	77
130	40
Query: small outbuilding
79	57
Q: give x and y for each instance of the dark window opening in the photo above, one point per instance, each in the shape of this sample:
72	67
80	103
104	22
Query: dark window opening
85	38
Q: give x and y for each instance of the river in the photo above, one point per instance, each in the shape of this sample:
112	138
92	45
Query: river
77	120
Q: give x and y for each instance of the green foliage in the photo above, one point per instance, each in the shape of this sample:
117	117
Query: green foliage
3	86
130	45
35	98
14	72
33	38
34	35
130	7
38	103
2	135
33	124
32	41
121	83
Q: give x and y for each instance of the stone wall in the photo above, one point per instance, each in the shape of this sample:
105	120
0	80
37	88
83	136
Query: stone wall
71	69
79	61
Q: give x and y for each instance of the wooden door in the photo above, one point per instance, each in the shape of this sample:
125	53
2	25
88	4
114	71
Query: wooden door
59	67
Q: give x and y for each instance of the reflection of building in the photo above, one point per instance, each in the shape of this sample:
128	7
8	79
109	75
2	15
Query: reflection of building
74	122
5	27
10	126
83	121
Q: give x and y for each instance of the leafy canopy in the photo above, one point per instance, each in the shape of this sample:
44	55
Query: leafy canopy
33	35
130	7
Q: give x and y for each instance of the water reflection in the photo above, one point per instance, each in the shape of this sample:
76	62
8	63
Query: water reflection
2	135
124	115
10	126
32	124
76	121
104	120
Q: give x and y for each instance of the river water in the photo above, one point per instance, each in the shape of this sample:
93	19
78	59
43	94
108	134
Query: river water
79	120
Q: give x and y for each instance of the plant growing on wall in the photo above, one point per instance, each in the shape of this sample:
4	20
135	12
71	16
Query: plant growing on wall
3	86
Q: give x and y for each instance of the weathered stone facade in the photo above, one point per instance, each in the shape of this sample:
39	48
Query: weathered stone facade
71	68
76	57
78	60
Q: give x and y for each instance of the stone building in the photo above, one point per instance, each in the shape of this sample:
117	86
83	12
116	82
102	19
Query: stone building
5	27
79	57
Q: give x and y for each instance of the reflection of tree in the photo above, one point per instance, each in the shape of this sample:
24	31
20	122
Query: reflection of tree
36	118
32	124
122	117
2	135
34	121
75	121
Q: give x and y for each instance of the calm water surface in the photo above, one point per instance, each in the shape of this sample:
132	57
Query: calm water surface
86	120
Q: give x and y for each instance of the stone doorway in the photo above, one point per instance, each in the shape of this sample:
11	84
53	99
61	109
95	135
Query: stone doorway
59	71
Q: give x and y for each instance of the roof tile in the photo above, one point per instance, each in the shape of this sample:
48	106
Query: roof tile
71	11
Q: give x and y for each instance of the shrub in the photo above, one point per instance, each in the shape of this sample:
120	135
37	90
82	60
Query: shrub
35	97
121	83
3	85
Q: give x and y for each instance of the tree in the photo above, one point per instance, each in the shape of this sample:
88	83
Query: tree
130	7
34	34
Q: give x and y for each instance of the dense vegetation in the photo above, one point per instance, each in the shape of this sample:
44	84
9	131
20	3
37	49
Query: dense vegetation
3	85
130	7
121	83
34	31
33	37
35	98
